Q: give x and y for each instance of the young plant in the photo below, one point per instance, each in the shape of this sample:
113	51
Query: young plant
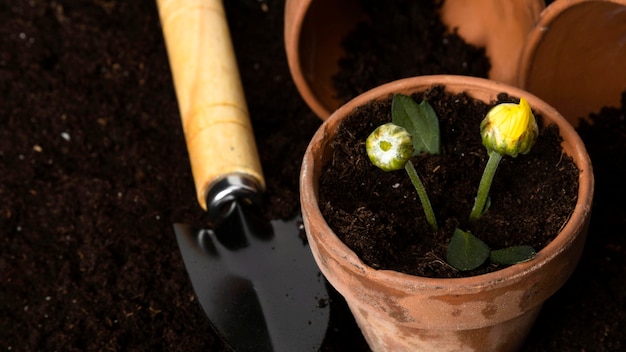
508	129
391	146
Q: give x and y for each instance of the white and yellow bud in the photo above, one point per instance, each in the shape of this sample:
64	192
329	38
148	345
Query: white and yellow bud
509	129
389	147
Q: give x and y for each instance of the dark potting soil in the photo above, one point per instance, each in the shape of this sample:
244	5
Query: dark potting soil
403	38
93	172
379	216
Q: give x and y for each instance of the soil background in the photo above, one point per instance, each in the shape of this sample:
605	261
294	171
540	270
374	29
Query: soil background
94	171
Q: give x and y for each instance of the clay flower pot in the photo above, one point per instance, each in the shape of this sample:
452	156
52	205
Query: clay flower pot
314	30
488	312
574	57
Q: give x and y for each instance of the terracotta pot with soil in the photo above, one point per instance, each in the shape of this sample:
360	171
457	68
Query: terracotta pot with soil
315	34
574	57
425	305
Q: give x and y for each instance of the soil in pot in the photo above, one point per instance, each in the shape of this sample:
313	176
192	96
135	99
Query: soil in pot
403	38
378	215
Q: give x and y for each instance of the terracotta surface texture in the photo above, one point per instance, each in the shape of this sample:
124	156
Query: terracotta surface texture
574	57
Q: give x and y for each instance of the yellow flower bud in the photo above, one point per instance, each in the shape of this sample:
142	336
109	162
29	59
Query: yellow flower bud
509	129
389	147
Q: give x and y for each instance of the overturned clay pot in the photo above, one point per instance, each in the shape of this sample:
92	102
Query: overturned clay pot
575	57
399	312
314	30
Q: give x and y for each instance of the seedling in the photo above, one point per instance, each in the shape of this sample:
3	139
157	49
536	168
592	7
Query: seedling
508	129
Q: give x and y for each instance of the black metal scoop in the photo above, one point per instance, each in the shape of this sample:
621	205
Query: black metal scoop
257	281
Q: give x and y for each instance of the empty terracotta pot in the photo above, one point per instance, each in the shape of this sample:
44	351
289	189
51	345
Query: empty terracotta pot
399	312
314	30
575	57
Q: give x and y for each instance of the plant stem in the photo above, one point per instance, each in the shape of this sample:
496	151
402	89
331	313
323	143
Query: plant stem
485	185
421	192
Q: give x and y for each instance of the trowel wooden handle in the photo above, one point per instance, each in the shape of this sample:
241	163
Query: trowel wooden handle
212	106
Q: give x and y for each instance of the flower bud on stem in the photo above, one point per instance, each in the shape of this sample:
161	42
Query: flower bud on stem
390	148
508	129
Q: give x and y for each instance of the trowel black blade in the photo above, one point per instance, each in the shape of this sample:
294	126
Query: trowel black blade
261	291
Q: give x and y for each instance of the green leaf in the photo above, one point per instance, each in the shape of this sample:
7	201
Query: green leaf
512	255
465	251
420	120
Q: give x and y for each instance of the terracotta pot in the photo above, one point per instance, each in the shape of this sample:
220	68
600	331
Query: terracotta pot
400	312
575	57
314	30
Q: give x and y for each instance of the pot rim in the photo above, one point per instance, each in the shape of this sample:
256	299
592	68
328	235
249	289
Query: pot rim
292	38
505	276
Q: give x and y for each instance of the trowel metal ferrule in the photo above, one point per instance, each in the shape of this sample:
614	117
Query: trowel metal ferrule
230	191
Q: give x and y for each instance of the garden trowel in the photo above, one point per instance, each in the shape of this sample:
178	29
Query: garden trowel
256	280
